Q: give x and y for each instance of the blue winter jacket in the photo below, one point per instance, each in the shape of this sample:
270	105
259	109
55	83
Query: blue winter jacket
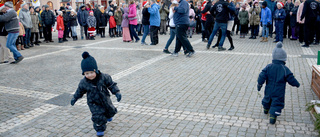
280	15
276	75
271	5
181	16
154	15
265	16
82	17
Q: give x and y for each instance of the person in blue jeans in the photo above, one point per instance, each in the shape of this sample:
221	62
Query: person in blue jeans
221	11
172	27
25	19
265	20
12	27
145	22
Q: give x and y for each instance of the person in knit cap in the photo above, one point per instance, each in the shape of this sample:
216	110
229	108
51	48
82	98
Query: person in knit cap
276	75
97	86
91	21
279	17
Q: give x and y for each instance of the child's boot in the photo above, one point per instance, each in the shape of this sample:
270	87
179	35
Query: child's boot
273	119
60	40
265	111
100	134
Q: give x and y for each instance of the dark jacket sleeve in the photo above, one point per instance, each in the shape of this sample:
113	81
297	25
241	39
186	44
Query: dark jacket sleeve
111	85
291	79
263	76
206	9
80	91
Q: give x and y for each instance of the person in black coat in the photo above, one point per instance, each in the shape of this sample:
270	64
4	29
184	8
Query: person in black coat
287	7
97	14
48	20
97	86
293	21
103	22
73	24
65	22
145	22
236	20
310	13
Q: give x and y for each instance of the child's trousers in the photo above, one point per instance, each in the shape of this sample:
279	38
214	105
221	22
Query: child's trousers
274	103
279	31
100	128
60	34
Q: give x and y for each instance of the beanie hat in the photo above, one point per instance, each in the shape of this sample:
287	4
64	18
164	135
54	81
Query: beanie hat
23	4
264	3
59	12
46	6
9	4
91	12
145	3
281	4
278	53
255	2
31	7
110	13
244	6
62	8
68	4
88	63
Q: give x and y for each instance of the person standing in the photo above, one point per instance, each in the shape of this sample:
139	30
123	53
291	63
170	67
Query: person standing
82	19
60	26
35	29
254	19
97	14
48	20
73	24
309	13
279	17
118	17
25	19
293	20
132	16
300	22
37	10
154	22
65	16
5	54
272	6
244	20
139	18
265	20
287	7
103	22
163	16
172	27
236	20
181	20
145	22
12	27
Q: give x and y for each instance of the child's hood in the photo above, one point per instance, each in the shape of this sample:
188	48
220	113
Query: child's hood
126	10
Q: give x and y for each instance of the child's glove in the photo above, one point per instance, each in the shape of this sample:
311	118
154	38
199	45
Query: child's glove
118	95
73	101
259	87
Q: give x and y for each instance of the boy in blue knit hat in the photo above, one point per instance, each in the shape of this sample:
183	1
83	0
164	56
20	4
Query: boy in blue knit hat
97	86
276	75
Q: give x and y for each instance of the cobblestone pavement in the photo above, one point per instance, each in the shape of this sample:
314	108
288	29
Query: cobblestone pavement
211	94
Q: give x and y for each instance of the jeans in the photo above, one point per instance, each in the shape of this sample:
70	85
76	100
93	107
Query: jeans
119	29
217	26
11	44
74	31
27	36
145	33
139	27
181	39
133	32
154	35
265	31
172	35
84	29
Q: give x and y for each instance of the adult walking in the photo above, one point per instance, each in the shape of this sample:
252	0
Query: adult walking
12	27
145	22
132	16
310	12
172	27
221	11
48	20
82	19
5	54
25	19
154	22
181	20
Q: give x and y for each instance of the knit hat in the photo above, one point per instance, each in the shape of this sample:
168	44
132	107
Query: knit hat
91	12
244	6
88	63
281	4
1	6
278	53
46	6
110	13
145	3
264	3
68	4
9	4
256	1
59	12
62	8
22	5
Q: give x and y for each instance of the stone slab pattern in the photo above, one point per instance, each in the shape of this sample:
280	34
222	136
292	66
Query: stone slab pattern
211	94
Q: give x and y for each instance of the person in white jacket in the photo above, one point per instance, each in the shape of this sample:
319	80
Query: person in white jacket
172	27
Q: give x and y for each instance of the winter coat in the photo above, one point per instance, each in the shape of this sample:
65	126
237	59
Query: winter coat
10	20
48	18
154	15
125	20
98	97
272	5
132	15
255	16
236	13
288	7
164	12
118	17
73	20
244	17
66	18
21	29
82	17
266	16
276	75
293	17
139	16
3	31
204	15
25	18
191	13
221	11
103	20
97	14
300	9
310	11
181	16
208	17
112	22
91	21
35	22
60	23
145	16
279	15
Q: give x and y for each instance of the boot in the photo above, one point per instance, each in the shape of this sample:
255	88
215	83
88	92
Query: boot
265	40
262	39
22	48
231	48
65	39
251	37
26	46
60	40
18	47
74	38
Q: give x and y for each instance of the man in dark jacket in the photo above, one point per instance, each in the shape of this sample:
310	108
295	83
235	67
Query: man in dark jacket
97	14
66	19
310	12
221	11
82	19
181	20
48	20
287	7
210	21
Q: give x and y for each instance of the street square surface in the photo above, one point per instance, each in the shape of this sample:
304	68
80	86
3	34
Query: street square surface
210	94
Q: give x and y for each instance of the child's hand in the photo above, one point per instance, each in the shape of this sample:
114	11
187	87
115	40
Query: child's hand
73	101
118	95
259	87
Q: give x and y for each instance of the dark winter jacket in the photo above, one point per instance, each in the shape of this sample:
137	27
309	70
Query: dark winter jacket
221	11
98	97
82	17
272	5
73	20
293	17
103	20
3	31
310	11
279	15
276	75
207	8
66	18
48	18
288	7
145	16
181	16
97	14
236	13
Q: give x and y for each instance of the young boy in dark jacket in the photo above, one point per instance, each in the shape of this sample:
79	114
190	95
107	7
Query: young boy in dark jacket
97	86
279	16
276	75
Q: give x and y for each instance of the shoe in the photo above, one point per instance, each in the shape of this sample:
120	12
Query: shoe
100	134
265	111
82	38
51	41
68	37
174	54
65	40
306	46
37	44
265	40
316	43
152	44
204	40
231	48
4	62
221	48
143	43
22	47
74	38
18	60
275	41
273	119
190	54
18	47
166	51
254	37
251	37
109	119
262	39
30	45
214	46
26	46
60	40
190	36
137	40
208	46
